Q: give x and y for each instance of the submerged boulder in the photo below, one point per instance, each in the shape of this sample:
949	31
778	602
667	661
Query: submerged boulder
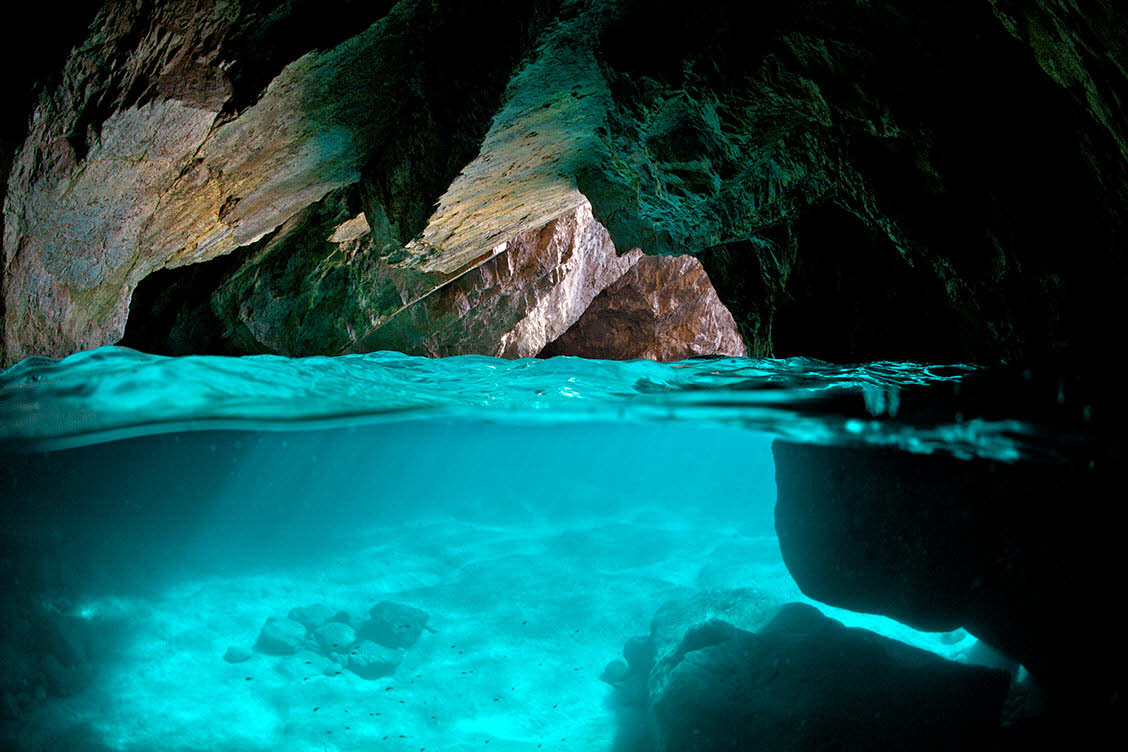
1022	555
371	661
312	616
393	625
748	608
334	637
281	637
806	682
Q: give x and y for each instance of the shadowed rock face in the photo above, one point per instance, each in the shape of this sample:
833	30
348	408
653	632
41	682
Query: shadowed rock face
806	682
663	309
932	125
980	150
733	671
1023	556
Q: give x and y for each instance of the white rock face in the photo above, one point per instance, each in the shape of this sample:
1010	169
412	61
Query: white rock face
514	304
664	308
588	263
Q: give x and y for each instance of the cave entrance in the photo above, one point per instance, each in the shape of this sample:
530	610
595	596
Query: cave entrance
852	297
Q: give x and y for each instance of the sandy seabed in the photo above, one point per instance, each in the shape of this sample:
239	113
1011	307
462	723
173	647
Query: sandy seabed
523	619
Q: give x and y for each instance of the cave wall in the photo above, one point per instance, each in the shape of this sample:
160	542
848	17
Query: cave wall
980	150
936	125
160	149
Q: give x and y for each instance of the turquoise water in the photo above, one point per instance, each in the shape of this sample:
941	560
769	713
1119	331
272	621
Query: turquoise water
536	513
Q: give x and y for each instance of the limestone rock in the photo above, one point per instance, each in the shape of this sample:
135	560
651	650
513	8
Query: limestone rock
664	309
393	625
804	681
281	637
371	661
237	654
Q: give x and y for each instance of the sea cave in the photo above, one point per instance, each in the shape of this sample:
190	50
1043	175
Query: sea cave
574	375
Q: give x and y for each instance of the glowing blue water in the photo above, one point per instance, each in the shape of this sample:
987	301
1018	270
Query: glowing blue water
158	510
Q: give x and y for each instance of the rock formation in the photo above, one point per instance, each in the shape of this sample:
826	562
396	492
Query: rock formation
663	309
374	649
1021	555
795	679
919	176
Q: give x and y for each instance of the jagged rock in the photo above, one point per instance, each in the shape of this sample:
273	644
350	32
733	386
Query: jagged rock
152	153
237	654
664	309
517	302
1017	554
281	637
302	292
334	637
804	681
180	131
371	661
393	625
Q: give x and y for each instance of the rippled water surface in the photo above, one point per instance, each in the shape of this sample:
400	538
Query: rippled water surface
114	393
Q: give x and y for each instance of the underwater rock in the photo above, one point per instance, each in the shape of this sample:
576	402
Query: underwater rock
334	637
312	616
1019	554
746	608
371	661
281	637
615	672
804	681
664	308
393	625
698	613
237	654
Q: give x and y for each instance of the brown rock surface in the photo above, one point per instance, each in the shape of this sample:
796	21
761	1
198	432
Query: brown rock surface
663	309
